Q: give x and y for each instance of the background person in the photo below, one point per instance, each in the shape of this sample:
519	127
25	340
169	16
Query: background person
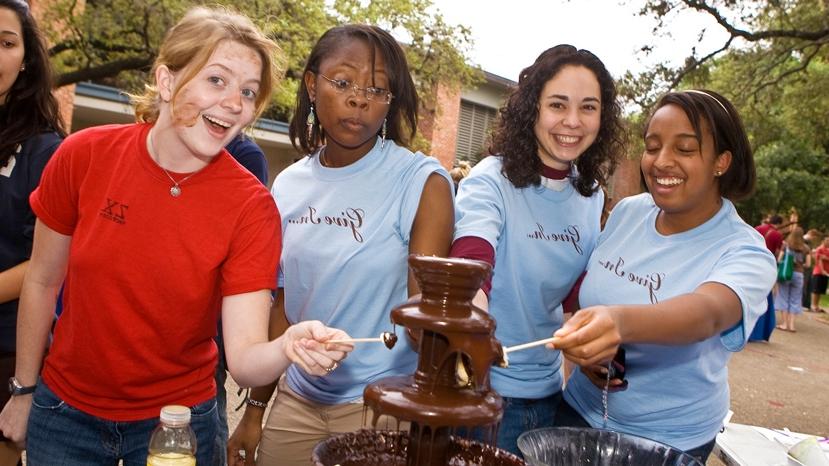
460	172
249	155
677	279
352	212
30	131
770	230
533	211
820	274
790	293
155	229
813	239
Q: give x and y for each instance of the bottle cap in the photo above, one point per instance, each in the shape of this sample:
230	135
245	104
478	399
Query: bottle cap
175	415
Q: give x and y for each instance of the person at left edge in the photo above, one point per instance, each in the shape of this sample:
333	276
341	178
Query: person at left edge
155	230
30	131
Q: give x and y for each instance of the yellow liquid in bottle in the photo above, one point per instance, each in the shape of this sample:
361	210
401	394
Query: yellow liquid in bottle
171	459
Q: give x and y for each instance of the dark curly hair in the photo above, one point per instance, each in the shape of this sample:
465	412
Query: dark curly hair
727	131
401	120
30	107
514	139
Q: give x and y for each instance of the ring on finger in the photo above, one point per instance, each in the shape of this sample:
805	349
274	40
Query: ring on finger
333	366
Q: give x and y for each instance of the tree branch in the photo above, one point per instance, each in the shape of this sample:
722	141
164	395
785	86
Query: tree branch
103	71
701	5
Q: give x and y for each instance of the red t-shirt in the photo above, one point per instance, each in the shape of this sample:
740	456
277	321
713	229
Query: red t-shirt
774	239
821	260
147	271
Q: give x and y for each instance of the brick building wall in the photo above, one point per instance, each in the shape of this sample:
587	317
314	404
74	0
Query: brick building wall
66	94
440	128
625	180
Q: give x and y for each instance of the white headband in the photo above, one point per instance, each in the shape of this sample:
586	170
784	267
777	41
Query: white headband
711	96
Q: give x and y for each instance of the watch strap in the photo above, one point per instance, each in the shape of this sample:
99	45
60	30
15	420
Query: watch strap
15	388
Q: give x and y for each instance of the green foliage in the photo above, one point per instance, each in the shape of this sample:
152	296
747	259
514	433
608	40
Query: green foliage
783	37
114	41
774	67
790	174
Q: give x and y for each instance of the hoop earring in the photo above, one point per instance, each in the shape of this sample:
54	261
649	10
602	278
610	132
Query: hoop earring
383	134
310	122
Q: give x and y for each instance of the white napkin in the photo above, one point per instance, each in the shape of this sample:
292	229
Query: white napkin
809	453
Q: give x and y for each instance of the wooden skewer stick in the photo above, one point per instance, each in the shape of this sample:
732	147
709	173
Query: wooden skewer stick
387	338
357	340
531	344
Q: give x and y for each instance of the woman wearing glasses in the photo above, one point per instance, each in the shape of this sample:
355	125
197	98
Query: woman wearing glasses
352	211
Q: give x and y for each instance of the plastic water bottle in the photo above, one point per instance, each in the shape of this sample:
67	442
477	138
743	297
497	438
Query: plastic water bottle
173	442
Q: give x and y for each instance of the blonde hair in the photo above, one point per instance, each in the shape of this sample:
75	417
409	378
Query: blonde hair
458	173
795	239
190	43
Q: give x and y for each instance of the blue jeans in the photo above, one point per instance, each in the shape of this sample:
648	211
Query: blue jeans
60	435
521	415
220	454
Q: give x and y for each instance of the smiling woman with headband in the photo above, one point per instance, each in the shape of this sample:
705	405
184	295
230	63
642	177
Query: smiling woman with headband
677	280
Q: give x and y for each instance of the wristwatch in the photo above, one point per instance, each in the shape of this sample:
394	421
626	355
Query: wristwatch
16	389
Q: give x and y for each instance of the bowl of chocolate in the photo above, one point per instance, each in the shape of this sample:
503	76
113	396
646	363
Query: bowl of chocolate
367	447
572	446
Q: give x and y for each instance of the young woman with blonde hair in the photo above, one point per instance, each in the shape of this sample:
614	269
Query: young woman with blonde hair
789	297
155	230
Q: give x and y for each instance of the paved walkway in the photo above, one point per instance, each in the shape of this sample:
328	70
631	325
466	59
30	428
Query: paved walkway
785	382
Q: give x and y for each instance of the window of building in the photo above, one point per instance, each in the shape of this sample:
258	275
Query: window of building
474	126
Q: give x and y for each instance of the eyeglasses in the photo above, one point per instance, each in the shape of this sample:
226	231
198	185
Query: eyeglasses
375	94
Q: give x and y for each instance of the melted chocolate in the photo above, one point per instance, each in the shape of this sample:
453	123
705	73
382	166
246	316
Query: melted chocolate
450	388
389	339
382	448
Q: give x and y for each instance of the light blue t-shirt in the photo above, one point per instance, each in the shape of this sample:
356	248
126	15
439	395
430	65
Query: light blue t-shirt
676	394
345	244
542	239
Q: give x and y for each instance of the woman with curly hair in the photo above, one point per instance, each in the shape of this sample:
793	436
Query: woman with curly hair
533	210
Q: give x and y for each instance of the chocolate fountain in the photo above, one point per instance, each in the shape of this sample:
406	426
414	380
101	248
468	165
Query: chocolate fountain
450	389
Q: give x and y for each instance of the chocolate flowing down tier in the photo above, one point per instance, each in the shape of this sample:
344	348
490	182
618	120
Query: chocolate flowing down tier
382	448
456	344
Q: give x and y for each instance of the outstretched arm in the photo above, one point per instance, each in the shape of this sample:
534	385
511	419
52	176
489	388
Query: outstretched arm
252	360
593	334
248	432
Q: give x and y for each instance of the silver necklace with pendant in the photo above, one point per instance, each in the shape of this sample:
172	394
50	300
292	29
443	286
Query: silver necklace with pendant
175	189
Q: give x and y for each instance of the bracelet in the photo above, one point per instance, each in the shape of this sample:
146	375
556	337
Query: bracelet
257	403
